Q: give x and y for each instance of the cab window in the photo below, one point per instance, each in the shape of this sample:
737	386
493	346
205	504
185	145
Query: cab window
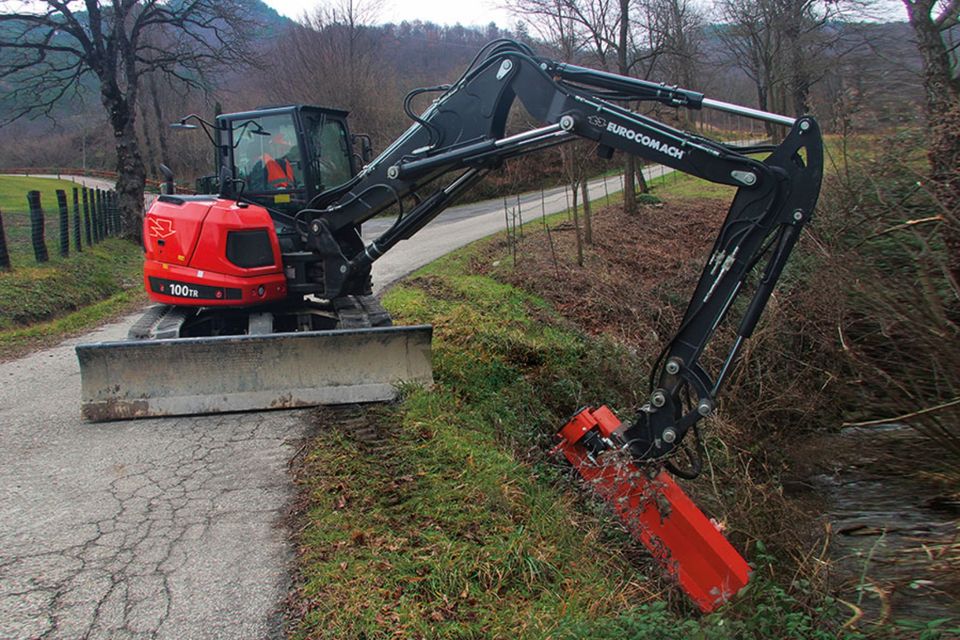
266	157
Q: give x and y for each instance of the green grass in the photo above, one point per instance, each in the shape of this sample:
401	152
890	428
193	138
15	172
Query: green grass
16	342
13	192
680	185
42	304
458	525
16	217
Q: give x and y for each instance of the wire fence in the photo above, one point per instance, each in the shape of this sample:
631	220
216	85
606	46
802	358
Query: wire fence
45	231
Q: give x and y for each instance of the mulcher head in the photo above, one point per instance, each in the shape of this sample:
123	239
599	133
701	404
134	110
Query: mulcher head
688	545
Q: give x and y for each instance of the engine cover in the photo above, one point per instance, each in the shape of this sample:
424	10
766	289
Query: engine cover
205	251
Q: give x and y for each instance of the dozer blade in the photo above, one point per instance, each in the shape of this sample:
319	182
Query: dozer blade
181	376
657	512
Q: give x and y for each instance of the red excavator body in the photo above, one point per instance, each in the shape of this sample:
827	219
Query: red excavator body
207	251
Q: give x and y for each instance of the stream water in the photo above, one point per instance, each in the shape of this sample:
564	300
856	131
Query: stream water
895	548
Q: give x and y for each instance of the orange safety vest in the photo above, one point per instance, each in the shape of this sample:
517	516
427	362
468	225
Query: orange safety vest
279	173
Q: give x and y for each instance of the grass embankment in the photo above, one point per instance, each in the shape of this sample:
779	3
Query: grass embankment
454	523
41	304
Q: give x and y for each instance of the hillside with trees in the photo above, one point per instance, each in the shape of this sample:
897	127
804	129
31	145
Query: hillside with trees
863	76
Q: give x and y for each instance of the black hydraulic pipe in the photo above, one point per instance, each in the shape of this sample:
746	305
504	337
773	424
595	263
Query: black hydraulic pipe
641	89
771	274
415	220
452	159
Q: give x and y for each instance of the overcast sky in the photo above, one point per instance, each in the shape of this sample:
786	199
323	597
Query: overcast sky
466	12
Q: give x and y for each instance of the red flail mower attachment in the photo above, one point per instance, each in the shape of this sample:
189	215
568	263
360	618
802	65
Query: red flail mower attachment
657	512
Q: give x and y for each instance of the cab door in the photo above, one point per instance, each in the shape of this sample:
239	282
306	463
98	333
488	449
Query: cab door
330	150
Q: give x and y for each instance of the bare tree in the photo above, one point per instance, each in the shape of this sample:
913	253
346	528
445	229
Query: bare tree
605	31
932	21
50	50
681	27
752	45
335	57
555	23
783	46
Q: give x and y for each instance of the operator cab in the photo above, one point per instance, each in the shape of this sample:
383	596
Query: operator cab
283	157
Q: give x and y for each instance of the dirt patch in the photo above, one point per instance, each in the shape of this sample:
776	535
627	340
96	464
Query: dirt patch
634	264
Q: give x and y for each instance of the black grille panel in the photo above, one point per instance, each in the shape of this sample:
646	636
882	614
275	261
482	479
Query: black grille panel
249	249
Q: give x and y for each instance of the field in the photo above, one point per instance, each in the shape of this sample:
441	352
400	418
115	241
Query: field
16	216
42	303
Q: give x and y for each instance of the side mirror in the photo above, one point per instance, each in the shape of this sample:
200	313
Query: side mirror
167	188
366	147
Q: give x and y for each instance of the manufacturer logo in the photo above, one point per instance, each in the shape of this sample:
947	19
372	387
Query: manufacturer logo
161	228
597	121
647	141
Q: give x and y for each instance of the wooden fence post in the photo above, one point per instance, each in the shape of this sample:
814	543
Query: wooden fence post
105	203
114	218
4	254
76	219
36	226
108	211
99	209
64	223
116	213
86	217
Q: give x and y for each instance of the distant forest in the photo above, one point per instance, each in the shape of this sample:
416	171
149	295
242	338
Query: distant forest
865	78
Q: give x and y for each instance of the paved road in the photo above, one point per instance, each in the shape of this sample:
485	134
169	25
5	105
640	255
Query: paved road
162	528
464	224
85	181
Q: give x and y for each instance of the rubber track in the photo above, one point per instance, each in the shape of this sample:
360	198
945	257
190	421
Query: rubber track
162	321
361	312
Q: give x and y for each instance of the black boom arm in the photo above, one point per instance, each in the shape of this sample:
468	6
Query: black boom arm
463	133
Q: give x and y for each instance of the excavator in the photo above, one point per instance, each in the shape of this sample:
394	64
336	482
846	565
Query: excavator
264	289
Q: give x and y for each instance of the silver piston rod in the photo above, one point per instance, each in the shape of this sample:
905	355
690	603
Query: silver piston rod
756	114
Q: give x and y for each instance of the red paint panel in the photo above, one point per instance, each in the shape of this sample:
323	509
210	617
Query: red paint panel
225	216
170	230
186	255
184	286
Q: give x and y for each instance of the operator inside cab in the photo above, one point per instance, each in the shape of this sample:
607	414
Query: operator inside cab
268	158
277	165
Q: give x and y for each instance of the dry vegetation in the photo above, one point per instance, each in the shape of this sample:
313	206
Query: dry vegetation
863	327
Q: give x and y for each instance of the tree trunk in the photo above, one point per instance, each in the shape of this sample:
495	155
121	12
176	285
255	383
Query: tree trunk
576	226
131	180
161	123
587	212
943	114
630	167
131	173
629	189
800	85
148	143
